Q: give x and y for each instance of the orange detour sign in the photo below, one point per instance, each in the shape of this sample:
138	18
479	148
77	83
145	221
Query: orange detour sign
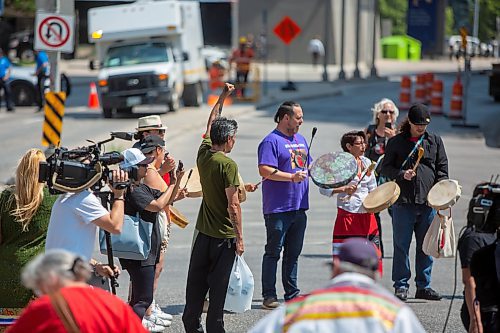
287	30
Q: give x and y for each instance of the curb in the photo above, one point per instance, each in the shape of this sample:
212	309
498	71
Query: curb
339	92
336	91
333	93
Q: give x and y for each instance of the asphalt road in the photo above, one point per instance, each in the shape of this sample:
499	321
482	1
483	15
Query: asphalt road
470	162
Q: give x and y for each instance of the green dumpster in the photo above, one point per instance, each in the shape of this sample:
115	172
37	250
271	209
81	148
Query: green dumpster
401	47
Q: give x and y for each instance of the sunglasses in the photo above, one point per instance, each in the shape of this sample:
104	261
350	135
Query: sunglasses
387	111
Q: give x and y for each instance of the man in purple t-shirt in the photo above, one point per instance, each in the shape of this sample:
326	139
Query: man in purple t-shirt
285	200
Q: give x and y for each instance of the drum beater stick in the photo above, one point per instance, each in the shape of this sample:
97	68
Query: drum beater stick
314	130
420	155
266	178
187	180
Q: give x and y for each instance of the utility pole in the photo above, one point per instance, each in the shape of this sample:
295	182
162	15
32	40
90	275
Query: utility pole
342	42
373	70
475	30
356	73
328	15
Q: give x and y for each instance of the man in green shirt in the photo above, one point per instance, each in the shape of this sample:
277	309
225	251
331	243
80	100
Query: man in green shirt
219	236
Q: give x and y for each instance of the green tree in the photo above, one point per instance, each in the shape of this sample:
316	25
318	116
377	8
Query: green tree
26	6
488	12
395	10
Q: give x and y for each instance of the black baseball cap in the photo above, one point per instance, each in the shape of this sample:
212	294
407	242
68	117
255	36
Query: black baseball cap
419	115
149	143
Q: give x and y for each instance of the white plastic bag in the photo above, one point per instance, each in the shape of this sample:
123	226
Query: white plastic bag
240	288
439	241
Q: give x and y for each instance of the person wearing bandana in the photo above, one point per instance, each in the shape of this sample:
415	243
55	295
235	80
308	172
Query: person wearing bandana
285	201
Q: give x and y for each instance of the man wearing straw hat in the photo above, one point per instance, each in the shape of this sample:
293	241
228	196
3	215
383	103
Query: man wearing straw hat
149	125
152	125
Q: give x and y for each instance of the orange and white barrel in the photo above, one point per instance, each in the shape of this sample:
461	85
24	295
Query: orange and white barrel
456	100
436	107
405	93
420	90
429	80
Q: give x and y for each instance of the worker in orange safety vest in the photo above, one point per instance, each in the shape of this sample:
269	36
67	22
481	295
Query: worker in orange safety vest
242	57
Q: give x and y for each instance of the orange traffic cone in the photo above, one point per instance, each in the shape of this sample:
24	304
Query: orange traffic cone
420	92
93	98
405	94
437	98
456	100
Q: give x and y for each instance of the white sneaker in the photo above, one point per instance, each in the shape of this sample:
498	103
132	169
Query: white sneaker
157	311
158	321
152	327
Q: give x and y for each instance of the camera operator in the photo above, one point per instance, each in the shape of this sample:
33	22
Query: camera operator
75	217
148	202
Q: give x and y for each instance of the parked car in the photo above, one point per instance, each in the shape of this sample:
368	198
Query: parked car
455	46
21	46
212	54
23	85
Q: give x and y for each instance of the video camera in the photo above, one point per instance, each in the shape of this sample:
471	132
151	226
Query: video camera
82	168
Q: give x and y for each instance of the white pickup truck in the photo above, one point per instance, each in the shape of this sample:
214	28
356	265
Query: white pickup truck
149	53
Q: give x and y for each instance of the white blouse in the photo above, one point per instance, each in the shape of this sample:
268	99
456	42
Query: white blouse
355	203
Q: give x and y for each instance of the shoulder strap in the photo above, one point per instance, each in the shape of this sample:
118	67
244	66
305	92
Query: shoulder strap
64	312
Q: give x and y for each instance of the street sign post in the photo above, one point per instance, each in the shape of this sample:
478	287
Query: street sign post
54	32
287	30
467	75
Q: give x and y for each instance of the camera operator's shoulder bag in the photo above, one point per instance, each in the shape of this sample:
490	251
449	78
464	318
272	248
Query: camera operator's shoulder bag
134	242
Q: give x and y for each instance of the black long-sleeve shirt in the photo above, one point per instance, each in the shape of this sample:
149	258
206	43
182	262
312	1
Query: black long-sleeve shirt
433	166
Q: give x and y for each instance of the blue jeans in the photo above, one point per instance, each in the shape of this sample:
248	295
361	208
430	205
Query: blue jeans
284	230
407	219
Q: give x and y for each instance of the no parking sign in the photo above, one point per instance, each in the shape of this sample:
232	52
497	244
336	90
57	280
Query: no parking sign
54	32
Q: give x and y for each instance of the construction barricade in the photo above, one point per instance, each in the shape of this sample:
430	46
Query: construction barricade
456	100
429	80
216	78
405	93
436	107
253	86
420	89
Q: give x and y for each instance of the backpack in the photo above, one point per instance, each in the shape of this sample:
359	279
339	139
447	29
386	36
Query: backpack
484	207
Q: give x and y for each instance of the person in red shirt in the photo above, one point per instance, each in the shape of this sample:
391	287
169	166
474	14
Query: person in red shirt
58	277
242	56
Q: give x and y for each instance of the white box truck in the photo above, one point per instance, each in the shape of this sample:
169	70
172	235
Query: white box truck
149	53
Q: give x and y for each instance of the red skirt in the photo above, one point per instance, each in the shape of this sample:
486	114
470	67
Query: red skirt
348	225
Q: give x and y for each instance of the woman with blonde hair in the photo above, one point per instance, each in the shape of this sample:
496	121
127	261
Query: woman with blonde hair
385	113
24	218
